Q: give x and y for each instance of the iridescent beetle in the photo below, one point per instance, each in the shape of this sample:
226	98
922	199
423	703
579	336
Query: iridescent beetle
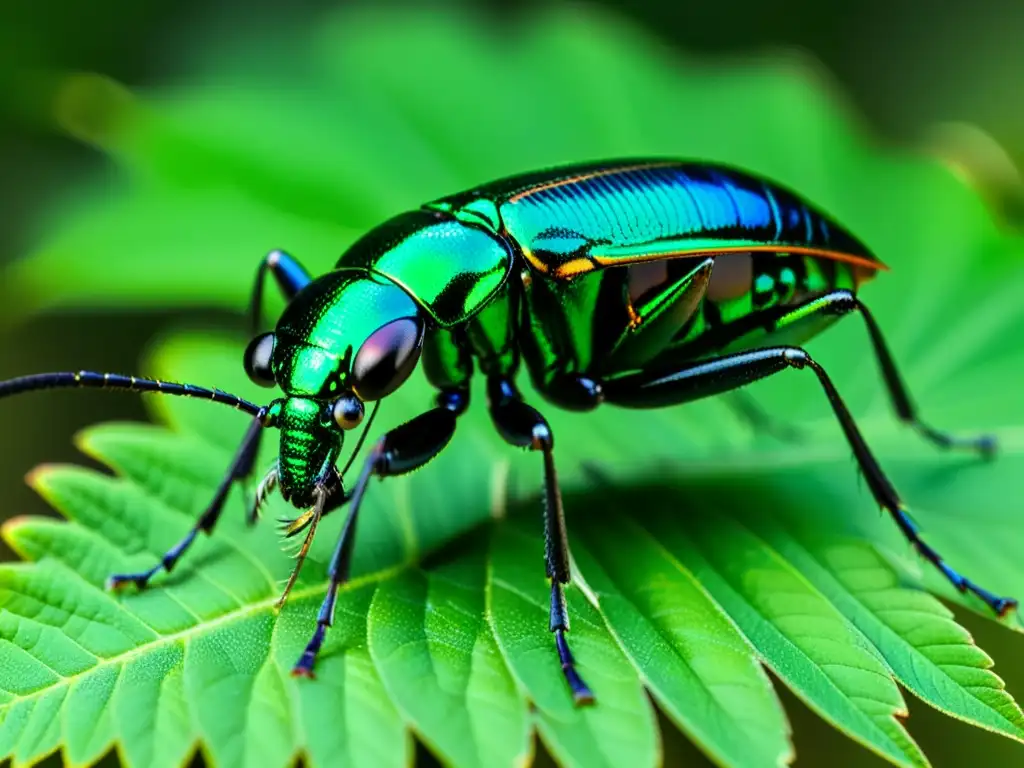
638	283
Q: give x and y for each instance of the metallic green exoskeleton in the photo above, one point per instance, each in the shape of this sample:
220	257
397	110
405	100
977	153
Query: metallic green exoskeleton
637	283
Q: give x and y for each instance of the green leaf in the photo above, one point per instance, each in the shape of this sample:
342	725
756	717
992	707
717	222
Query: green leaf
754	556
694	661
926	649
438	658
444	656
801	635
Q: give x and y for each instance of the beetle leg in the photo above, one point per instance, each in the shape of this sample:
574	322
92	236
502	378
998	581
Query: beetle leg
844	302
900	397
291	277
723	374
522	426
397	452
240	469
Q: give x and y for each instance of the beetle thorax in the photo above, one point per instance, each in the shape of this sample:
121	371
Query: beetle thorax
326	325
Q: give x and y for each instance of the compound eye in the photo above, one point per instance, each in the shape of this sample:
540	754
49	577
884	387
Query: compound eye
258	356
387	358
347	412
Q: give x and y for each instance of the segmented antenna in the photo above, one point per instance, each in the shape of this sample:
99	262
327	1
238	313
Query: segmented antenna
93	380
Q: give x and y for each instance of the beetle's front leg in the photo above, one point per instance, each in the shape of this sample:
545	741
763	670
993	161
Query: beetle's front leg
399	451
290	276
523	426
240	470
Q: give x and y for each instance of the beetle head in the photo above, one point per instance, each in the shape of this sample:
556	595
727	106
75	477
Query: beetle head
347	338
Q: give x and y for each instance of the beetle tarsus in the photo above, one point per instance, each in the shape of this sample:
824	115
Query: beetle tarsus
167	563
984	445
1005	606
304	666
118	581
581	693
1001	606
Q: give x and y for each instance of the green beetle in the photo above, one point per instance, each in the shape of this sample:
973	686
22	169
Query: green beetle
641	283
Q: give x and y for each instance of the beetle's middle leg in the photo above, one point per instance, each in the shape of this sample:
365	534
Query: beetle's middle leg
713	377
523	426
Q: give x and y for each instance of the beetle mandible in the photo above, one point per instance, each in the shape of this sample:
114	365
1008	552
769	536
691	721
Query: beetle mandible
641	283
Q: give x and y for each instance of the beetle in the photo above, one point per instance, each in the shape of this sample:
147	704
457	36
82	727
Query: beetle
639	283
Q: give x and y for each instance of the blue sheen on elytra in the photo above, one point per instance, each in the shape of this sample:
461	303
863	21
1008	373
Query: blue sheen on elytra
675	206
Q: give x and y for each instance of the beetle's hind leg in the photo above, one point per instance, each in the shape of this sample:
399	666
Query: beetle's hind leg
900	396
713	377
240	471
844	302
523	426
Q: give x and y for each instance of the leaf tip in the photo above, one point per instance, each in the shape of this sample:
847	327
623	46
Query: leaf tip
9	530
88	441
36	477
83	438
92	108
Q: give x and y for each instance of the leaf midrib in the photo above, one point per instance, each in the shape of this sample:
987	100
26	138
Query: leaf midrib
196	630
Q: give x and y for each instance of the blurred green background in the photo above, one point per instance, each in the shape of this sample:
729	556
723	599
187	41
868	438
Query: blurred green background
938	77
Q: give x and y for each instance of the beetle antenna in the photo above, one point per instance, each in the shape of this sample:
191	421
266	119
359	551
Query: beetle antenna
362	439
93	380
